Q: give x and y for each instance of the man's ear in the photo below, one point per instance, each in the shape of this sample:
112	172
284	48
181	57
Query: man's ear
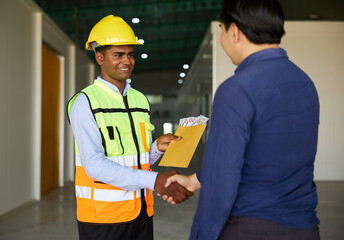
99	58
236	33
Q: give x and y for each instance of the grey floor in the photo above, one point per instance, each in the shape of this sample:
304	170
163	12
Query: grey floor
54	216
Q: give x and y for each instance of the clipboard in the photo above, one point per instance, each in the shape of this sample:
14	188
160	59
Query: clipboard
179	153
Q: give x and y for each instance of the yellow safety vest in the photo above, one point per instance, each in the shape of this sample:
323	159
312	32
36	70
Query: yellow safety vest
124	126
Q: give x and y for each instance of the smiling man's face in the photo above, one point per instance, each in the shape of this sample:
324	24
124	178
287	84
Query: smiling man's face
117	62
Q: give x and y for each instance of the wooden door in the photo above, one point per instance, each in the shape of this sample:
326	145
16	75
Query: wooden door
50	120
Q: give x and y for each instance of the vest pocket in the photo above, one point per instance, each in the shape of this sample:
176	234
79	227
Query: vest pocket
145	128
122	142
113	140
111	133
120	139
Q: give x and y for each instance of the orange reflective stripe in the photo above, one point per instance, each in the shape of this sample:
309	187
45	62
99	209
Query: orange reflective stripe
143	136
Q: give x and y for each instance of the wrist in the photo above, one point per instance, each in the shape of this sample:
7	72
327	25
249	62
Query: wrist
159	184
155	147
194	181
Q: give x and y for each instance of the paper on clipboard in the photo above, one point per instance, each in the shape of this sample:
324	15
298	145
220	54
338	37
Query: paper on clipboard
179	153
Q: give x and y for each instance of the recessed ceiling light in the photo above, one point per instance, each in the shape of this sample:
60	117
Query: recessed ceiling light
186	66
135	20
144	55
141	41
128	80
182	75
180	81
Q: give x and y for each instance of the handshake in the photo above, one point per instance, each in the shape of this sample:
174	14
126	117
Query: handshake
176	188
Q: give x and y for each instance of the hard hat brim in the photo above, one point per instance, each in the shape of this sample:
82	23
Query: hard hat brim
88	45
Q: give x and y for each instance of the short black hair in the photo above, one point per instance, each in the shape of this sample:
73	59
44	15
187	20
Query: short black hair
262	21
102	49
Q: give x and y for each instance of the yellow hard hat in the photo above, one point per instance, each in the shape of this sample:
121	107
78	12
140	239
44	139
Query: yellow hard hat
111	30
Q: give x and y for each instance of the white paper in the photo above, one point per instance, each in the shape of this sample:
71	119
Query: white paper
192	121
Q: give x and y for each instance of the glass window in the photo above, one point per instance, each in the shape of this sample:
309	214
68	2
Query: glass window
168	128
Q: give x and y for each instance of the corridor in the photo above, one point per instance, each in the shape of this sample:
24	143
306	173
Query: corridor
53	218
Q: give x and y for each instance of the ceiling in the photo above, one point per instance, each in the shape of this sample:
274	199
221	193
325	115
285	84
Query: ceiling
172	30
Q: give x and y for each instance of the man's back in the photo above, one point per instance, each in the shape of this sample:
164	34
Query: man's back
277	175
257	173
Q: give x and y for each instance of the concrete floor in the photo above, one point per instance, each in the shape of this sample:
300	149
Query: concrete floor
54	216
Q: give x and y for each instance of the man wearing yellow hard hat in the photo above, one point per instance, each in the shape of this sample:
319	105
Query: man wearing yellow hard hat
110	122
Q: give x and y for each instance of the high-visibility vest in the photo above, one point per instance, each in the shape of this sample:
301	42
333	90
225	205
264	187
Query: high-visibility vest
124	127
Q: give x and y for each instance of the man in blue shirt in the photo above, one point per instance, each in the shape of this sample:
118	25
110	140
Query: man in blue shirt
257	174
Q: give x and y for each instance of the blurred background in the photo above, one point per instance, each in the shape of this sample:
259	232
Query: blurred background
179	68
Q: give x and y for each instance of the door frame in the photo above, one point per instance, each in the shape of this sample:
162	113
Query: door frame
60	117
62	120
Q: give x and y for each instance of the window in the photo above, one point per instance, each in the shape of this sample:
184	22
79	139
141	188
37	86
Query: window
168	128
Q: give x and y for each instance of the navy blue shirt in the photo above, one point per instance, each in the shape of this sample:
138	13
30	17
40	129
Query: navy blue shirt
259	159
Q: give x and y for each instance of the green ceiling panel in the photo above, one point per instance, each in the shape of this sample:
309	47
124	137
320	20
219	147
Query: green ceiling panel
172	30
167	28
142	9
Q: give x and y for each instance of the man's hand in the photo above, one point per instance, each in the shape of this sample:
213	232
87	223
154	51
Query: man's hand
175	191
164	141
191	183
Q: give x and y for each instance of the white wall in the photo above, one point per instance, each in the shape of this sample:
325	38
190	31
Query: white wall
316	47
21	40
19	72
223	67
84	75
56	39
85	70
79	73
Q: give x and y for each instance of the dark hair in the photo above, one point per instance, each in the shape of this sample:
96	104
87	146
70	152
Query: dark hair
102	49
262	21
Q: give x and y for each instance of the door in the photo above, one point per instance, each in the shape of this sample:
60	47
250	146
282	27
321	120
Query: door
50	120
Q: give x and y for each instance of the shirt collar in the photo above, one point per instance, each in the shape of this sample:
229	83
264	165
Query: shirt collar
114	88
262	55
